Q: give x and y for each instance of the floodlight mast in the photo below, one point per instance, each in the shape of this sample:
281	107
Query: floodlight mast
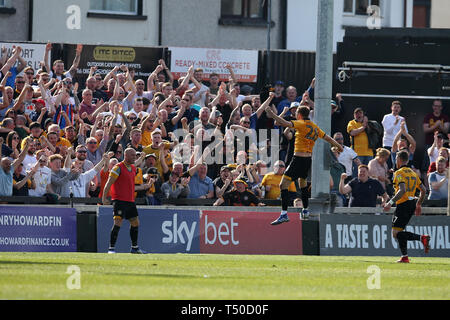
320	170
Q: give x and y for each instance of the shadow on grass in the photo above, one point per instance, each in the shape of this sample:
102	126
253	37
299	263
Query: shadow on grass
155	275
31	262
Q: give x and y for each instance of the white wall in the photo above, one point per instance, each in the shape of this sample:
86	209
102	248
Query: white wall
50	17
301	33
440	10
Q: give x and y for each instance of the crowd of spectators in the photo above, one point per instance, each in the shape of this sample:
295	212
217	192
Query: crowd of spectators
60	137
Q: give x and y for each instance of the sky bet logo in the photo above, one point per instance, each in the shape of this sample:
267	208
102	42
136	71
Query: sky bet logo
221	233
175	232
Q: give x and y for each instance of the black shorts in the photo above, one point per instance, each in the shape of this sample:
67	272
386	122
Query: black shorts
403	214
298	168
124	209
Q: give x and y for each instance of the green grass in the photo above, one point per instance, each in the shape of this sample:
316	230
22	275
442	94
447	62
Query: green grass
221	277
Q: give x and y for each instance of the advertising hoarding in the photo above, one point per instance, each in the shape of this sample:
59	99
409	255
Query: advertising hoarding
364	235
243	62
38	229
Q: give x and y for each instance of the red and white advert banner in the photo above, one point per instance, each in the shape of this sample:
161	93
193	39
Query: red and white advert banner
243	62
234	232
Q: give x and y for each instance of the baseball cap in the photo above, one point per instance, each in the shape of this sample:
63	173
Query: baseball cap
294	104
240	181
41	101
441	136
279	83
358	109
333	103
151	155
225	168
152	171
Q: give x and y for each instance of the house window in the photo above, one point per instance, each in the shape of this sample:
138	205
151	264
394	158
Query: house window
116	9
6	7
244	9
359	7
126	7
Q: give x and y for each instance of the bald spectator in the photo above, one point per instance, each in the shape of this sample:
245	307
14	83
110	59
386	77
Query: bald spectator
271	182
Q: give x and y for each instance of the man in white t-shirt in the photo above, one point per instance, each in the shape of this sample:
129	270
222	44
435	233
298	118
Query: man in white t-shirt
30	159
200	96
42	178
392	125
348	156
79	185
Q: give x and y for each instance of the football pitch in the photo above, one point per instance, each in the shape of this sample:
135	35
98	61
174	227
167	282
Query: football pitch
67	276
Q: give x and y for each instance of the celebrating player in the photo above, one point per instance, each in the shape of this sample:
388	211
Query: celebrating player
307	132
406	182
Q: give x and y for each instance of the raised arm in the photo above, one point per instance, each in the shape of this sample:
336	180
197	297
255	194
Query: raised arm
266	103
76	60
21	97
162	158
68	160
167	70
22	64
344	188
22	155
29	176
282	122
11	61
48	49
185	82
5	102
411	140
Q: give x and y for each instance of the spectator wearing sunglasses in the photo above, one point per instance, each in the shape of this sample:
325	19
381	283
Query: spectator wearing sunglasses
19	84
42	177
29	76
13	143
81	157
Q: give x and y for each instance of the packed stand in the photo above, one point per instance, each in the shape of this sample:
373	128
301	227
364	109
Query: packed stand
194	139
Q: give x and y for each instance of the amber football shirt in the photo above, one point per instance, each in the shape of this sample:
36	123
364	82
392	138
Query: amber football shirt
412	182
306	134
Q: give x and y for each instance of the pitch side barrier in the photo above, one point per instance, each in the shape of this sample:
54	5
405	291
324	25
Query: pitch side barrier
208	229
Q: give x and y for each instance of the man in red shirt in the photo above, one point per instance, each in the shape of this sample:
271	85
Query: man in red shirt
121	185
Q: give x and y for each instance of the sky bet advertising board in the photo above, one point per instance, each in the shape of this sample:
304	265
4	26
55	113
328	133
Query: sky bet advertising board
195	231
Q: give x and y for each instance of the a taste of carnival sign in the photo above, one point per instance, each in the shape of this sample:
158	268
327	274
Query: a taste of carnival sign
359	235
243	62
